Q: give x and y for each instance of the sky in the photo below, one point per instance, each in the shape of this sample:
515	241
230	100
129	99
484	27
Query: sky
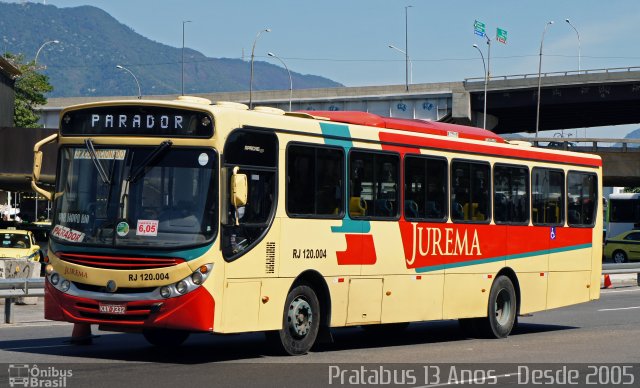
347	40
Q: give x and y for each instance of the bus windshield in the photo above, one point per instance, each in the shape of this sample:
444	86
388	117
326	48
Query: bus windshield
160	196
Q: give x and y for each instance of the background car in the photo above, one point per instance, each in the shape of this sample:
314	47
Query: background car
19	244
623	247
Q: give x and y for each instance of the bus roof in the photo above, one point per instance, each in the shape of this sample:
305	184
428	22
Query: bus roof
411	125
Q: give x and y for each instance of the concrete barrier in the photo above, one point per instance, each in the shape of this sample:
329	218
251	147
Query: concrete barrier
19	269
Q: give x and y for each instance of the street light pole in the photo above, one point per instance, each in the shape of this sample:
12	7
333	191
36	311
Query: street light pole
577	33
253	49
486	76
182	73
406	46
410	63
540	77
35	61
290	79
134	77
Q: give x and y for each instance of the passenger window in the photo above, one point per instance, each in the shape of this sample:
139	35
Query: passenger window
547	196
470	188
582	199
511	194
373	185
315	181
425	188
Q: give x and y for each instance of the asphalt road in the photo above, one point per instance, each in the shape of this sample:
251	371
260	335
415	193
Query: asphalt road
605	331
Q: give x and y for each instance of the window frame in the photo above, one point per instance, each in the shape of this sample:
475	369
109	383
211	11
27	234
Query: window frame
595	210
562	196
447	178
490	191
342	212
399	196
493	186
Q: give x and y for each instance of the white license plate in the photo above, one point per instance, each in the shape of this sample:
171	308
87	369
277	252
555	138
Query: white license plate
118	309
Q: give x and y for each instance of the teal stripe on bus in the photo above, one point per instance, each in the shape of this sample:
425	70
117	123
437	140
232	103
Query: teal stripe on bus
502	258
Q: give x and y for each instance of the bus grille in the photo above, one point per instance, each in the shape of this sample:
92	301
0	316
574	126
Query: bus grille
120	262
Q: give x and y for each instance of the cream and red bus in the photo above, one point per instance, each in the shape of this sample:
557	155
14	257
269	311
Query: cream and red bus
175	217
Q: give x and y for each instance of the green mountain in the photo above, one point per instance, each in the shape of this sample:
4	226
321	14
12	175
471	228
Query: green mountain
93	43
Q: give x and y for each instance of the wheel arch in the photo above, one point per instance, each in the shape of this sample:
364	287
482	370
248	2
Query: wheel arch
511	274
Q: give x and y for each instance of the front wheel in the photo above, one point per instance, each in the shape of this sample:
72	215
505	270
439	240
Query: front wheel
300	321
619	257
502	309
165	338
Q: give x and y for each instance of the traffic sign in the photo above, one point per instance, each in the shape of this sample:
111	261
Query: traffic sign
478	28
501	35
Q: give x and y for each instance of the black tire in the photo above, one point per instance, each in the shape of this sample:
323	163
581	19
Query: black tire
619	256
300	322
165	338
502	309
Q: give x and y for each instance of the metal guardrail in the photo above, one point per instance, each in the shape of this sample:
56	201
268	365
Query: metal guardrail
590	144
555	73
15	288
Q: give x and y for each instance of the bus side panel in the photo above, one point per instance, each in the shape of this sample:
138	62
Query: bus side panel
311	243
533	291
412	298
531	270
465	295
240	306
273	296
566	288
365	301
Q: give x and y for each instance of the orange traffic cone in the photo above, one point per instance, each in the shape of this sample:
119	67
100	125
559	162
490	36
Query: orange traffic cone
607	281
81	334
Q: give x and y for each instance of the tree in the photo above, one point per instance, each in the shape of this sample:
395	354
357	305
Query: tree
30	89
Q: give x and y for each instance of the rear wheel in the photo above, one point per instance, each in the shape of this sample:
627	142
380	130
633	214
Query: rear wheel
165	338
502	309
300	321
619	257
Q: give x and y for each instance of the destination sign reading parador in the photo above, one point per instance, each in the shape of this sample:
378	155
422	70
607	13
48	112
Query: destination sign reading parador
137	121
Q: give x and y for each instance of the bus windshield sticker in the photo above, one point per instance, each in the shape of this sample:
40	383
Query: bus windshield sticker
147	228
122	229
203	159
64	233
100	154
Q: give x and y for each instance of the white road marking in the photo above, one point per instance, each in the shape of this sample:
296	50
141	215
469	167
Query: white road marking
621	308
474	381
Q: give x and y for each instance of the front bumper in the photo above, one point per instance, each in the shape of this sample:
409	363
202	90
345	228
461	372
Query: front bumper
193	311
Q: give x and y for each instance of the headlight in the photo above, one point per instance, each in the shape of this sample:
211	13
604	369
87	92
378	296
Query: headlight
197	278
165	291
188	284
181	287
64	286
55	278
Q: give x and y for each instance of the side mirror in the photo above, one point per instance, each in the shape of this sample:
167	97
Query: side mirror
239	190
37	166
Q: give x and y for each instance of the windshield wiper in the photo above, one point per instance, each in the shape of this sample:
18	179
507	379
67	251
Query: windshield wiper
88	143
153	156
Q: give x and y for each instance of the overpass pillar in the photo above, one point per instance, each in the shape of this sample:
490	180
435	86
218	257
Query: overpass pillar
461	107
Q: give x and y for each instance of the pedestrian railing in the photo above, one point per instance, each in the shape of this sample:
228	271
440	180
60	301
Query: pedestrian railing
622	268
16	288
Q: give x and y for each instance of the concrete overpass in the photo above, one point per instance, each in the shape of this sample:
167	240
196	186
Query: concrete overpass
588	98
568	100
620	158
